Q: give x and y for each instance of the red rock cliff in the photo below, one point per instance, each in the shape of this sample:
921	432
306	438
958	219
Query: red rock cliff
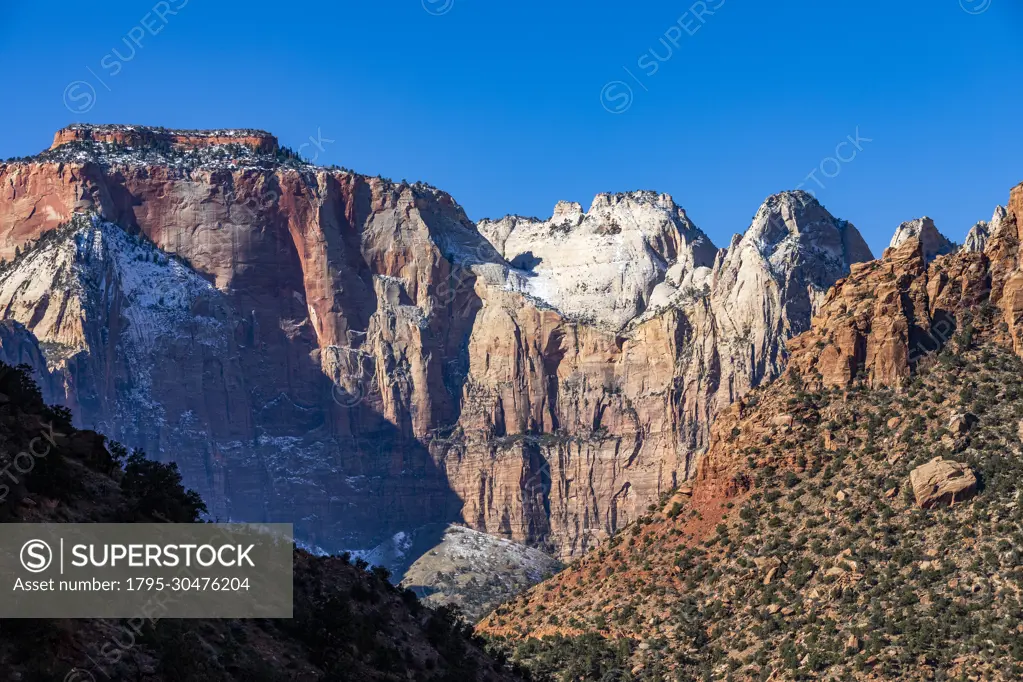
141	136
351	354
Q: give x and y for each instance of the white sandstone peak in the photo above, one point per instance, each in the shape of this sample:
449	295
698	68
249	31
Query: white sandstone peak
934	243
983	231
976	238
602	265
568	211
792	228
998	217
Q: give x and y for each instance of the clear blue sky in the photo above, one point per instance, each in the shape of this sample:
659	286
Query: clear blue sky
500	103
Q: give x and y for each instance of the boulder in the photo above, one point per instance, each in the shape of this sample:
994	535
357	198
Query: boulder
942	482
961	423
783	420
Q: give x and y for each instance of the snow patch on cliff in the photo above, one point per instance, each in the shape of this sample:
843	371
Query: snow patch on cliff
603	265
79	284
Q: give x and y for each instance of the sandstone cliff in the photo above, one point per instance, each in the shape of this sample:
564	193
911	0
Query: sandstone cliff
19	346
308	342
591	425
806	545
267	324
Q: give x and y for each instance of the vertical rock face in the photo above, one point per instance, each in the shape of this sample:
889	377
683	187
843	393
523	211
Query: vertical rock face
307	337
351	354
599	424
877	324
18	346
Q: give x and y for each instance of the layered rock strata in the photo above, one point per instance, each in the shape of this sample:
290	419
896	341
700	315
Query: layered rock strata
352	354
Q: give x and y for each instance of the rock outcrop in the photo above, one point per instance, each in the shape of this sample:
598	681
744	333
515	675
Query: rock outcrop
475	571
144	136
306	342
976	238
942	482
932	242
878	323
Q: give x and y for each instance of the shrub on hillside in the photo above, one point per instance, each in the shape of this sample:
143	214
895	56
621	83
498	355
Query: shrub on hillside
153	491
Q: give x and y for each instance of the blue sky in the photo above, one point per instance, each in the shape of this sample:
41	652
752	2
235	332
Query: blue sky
512	106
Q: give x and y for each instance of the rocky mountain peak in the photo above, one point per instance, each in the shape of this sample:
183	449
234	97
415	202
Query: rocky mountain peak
998	218
601	265
934	243
764	289
150	136
976	238
979	234
796	220
568	211
793	235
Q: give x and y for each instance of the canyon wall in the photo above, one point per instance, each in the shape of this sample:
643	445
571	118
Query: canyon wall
353	354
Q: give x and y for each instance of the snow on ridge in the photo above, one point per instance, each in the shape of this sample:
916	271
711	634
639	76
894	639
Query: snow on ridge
158	291
76	280
600	266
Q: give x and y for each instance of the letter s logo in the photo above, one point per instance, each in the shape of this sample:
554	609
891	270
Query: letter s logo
36	556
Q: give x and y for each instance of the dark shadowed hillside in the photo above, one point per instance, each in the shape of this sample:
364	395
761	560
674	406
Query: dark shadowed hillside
350	623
